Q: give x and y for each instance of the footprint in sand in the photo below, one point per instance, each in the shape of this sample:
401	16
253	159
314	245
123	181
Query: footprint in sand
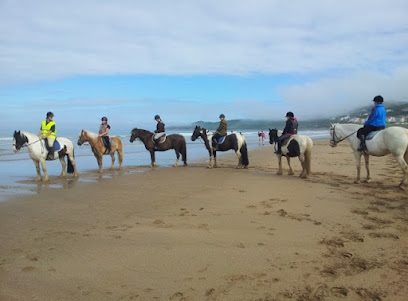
28	269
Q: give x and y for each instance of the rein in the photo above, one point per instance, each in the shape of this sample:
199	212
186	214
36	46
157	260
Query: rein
342	139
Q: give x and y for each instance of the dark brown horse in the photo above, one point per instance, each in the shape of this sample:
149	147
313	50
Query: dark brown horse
173	141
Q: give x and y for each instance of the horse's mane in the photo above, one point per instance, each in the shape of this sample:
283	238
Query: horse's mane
142	130
91	135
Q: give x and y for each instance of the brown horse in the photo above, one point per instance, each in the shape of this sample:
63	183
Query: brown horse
99	149
173	141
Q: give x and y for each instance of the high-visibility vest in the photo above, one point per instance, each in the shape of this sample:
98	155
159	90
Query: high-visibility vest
46	127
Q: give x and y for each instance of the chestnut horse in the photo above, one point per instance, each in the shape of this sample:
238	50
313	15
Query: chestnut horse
173	141
99	149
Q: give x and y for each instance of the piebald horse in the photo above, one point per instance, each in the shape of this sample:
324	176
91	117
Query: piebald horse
234	141
38	153
99	149
297	146
392	140
173	141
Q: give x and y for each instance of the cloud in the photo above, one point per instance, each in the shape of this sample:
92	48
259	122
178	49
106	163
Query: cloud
45	40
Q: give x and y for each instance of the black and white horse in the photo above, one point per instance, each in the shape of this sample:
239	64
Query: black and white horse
234	141
297	146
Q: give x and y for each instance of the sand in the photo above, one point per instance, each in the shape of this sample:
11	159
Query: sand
192	233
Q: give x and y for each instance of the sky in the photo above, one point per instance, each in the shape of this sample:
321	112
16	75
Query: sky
191	60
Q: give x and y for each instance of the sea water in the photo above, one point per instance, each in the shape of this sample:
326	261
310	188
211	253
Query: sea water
17	171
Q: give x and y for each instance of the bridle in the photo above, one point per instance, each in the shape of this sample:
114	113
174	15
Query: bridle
26	143
334	136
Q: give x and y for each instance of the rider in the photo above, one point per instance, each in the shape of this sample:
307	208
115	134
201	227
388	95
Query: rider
49	134
221	131
375	122
289	130
159	132
104	134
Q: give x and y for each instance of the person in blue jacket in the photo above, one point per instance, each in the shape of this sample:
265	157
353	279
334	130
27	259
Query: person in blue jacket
375	122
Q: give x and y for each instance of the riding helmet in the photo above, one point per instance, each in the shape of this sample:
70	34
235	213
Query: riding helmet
378	98
290	114
157	117
104	118
50	114
222	116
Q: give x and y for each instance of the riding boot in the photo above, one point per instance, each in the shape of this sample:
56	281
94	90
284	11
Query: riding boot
363	146
156	144
279	151
214	144
50	155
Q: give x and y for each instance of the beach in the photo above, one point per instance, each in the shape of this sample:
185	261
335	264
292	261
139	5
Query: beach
193	233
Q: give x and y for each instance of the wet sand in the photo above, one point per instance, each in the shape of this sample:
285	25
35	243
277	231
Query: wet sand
191	233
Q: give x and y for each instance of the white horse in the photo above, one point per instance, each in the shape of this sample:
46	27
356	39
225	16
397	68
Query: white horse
297	146
392	140
38	153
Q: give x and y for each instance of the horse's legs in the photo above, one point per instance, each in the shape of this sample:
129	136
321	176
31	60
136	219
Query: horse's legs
367	161
44	168
99	159
291	173
64	165
153	158
215	159
238	153
280	165
113	159
177	156
120	157
302	160
357	155
71	158
404	166
37	167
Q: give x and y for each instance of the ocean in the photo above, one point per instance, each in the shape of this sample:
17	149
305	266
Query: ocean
17	171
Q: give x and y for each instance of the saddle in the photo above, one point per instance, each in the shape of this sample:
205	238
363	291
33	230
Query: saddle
286	141
371	135
111	142
160	139
57	145
221	140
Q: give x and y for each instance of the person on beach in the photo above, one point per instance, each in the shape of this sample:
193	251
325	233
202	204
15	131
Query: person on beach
261	136
49	134
159	132
375	122
104	134
221	131
290	129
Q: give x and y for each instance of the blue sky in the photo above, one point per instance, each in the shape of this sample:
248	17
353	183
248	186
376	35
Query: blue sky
192	60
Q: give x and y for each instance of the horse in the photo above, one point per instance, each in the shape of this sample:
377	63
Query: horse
392	140
99	149
296	146
173	141
38	153
233	141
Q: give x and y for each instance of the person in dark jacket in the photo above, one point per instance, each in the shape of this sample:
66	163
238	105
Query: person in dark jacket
159	132
375	122
290	129
221	131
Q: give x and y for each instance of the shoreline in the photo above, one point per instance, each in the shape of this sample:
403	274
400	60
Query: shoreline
192	233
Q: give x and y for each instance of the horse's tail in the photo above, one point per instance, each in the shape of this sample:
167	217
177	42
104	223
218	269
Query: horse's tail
70	166
244	153
308	156
183	151
119	150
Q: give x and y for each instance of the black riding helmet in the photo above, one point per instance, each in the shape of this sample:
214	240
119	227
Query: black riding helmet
157	117
378	98
222	116
104	118
50	114
290	114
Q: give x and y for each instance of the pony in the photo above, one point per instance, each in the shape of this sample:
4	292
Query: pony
392	140
173	141
38	153
296	146
99	149
233	141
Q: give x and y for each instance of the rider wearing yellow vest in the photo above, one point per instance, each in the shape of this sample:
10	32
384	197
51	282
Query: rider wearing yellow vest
49	134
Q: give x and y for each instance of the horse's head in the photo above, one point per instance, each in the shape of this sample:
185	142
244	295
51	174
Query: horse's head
333	135
19	140
198	132
134	134
82	137
273	135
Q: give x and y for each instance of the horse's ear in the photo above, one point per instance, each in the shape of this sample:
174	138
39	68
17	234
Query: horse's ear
18	132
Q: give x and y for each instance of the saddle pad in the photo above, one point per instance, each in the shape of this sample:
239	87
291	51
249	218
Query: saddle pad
371	135
57	145
221	140
161	139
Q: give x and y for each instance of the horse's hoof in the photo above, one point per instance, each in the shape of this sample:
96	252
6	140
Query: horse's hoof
367	181
357	182
279	173
37	179
291	173
175	165
246	167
